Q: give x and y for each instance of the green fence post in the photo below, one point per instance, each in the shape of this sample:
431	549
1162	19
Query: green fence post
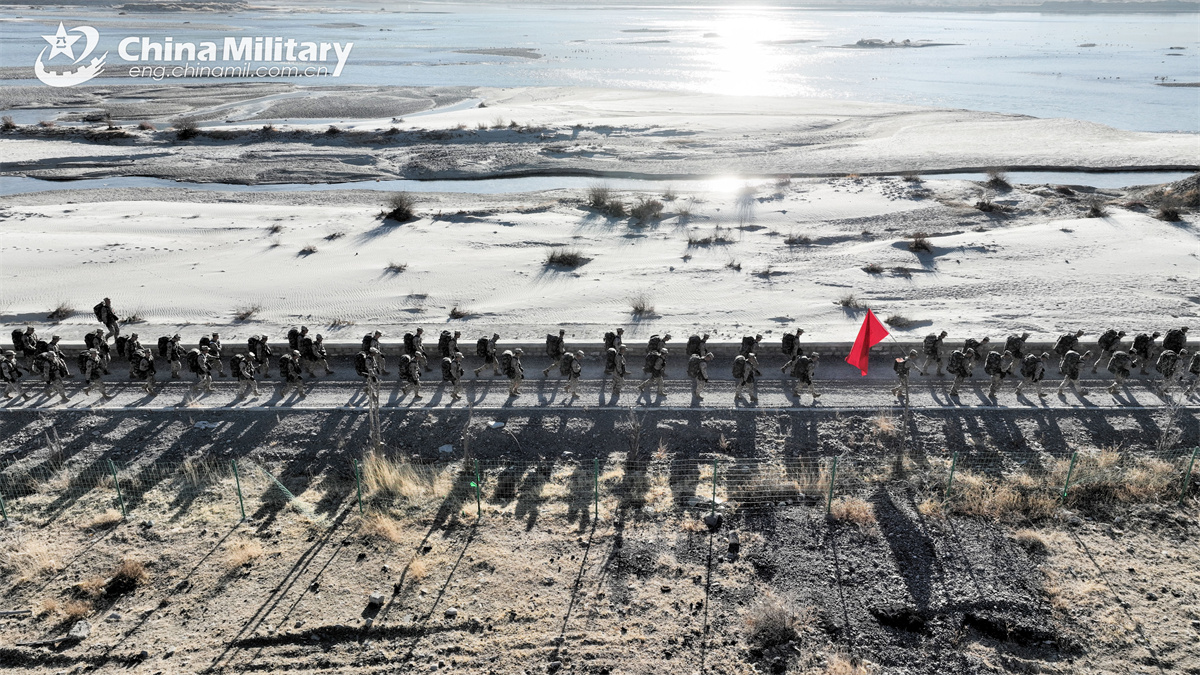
832	480
1070	470
358	484
596	485
478	488
714	499
120	498
237	480
1187	477
950	481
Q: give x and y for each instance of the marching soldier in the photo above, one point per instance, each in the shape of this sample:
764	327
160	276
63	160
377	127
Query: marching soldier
556	348
452	372
572	367
1015	346
962	362
697	369
105	315
1143	347
791	343
11	374
365	366
1119	365
243	367
141	367
414	346
997	365
200	363
448	344
1108	344
615	368
902	366
261	351
750	373
94	373
510	363
1167	365
410	372
1070	366
312	353
1067	342
173	352
802	367
486	348
1033	370
656	369
54	369
933	352
371	341
289	370
213	343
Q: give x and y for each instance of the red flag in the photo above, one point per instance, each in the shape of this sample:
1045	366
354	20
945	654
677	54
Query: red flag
871	334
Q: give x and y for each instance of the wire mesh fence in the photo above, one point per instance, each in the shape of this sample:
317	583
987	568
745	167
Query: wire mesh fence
973	483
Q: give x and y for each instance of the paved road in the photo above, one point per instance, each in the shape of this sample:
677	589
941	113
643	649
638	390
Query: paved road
491	393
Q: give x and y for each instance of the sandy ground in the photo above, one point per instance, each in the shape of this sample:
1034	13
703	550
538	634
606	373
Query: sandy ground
188	266
548	130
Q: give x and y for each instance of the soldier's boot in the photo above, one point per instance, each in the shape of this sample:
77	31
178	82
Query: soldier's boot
1040	393
104	391
328	370
992	389
512	388
737	392
616	385
457	393
813	390
958	379
754	392
698	389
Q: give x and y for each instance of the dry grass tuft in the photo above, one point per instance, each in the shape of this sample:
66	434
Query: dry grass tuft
850	301
307	251
1005	499
63	311
401	207
641	305
46	607
395	268
931	508
920	243
128	575
386	477
243	553
77	609
646	209
1031	541
418	569
145	126
840	665
873	268
775	621
90	588
107	519
899	321
565	257
852	510
884	426
29	560
246	312
382	526
457	312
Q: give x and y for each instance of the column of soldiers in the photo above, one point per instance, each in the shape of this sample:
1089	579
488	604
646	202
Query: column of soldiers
306	355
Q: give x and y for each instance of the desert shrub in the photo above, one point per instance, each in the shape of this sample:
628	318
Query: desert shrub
332	131
565	257
243	553
773	621
384	527
246	312
794	240
902	272
1168	212
669	195
920	243
852	510
395	268
734	265
457	312
76	609
1064	191
333	236
997	179
109	518
899	321
850	301
307	251
989	206
646	209
63	311
911	177
146	126
7	123
873	268
128	575
46	124
384	477
717	238
30	559
400	207
185	128
598	196
641	305
1096	210
1190	199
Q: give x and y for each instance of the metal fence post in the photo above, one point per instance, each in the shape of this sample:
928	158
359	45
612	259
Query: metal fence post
4	509
1187	477
596	486
832	480
237	480
1070	470
358	484
478	488
950	481
714	498
120	498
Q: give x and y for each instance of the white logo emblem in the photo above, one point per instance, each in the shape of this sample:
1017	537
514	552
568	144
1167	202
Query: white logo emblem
62	42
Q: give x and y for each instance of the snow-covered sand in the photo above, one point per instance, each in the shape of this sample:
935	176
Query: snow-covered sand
189	265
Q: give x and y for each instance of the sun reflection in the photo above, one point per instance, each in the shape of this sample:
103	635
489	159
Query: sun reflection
743	62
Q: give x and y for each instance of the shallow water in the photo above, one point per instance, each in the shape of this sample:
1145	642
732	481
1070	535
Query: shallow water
11	185
1028	64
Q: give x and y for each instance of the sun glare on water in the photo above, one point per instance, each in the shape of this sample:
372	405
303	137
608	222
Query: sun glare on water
745	59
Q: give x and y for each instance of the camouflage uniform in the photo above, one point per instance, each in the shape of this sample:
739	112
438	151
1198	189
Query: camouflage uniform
615	367
513	370
410	371
204	361
961	364
141	367
698	370
1107	344
1193	373
417	352
213	343
997	366
556	348
490	357
258	348
656	368
902	366
1143	348
243	369
10	374
1070	366
802	367
1033	370
175	355
452	372
572	367
367	369
94	374
1067	342
54	370
312	353
1167	365
1119	365
933	352
749	378
1015	346
371	341
105	315
289	370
